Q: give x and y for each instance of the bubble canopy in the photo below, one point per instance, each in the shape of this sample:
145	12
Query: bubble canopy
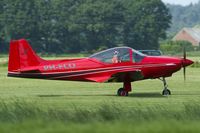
122	54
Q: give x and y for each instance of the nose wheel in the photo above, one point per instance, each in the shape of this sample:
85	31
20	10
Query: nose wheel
166	91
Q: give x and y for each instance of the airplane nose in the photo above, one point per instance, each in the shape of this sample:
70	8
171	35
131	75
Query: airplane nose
186	62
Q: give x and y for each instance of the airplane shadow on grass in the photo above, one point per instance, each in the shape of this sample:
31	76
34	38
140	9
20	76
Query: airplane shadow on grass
50	95
146	95
134	95
75	95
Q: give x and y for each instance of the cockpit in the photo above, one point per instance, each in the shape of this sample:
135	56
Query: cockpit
118	55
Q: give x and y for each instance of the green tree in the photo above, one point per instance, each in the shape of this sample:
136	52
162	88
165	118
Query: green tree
57	26
97	23
19	20
184	16
146	23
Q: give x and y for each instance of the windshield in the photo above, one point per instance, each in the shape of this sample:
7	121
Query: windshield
113	55
137	56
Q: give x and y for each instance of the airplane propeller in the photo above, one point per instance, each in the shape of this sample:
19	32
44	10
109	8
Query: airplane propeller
184	67
185	62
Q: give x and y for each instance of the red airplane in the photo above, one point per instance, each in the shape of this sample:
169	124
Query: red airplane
119	64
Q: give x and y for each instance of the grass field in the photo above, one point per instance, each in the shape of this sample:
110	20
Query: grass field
30	105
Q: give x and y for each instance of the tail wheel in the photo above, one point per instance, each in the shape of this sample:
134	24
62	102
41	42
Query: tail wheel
122	92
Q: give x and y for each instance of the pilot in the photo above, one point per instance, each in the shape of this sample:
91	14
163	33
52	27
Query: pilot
115	58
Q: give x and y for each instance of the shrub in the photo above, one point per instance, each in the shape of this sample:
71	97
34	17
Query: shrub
174	47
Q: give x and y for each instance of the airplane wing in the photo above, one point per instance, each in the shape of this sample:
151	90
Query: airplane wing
126	75
120	76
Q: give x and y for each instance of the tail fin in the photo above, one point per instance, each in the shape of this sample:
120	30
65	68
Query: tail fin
21	55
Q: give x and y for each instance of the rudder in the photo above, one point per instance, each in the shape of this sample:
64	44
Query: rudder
21	55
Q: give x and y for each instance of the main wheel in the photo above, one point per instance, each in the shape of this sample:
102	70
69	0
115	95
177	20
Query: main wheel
166	92
122	92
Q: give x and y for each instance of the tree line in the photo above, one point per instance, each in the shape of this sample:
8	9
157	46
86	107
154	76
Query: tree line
72	26
184	16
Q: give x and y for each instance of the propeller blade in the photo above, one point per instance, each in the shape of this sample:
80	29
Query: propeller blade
184	73
184	53
184	68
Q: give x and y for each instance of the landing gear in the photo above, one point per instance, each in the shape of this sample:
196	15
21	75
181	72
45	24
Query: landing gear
166	91
124	91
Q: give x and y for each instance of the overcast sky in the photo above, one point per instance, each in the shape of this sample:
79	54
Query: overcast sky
180	2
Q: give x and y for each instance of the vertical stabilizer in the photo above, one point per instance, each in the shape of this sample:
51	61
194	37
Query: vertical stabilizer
21	55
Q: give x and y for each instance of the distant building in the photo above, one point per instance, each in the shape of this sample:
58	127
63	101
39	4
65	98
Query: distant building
189	34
